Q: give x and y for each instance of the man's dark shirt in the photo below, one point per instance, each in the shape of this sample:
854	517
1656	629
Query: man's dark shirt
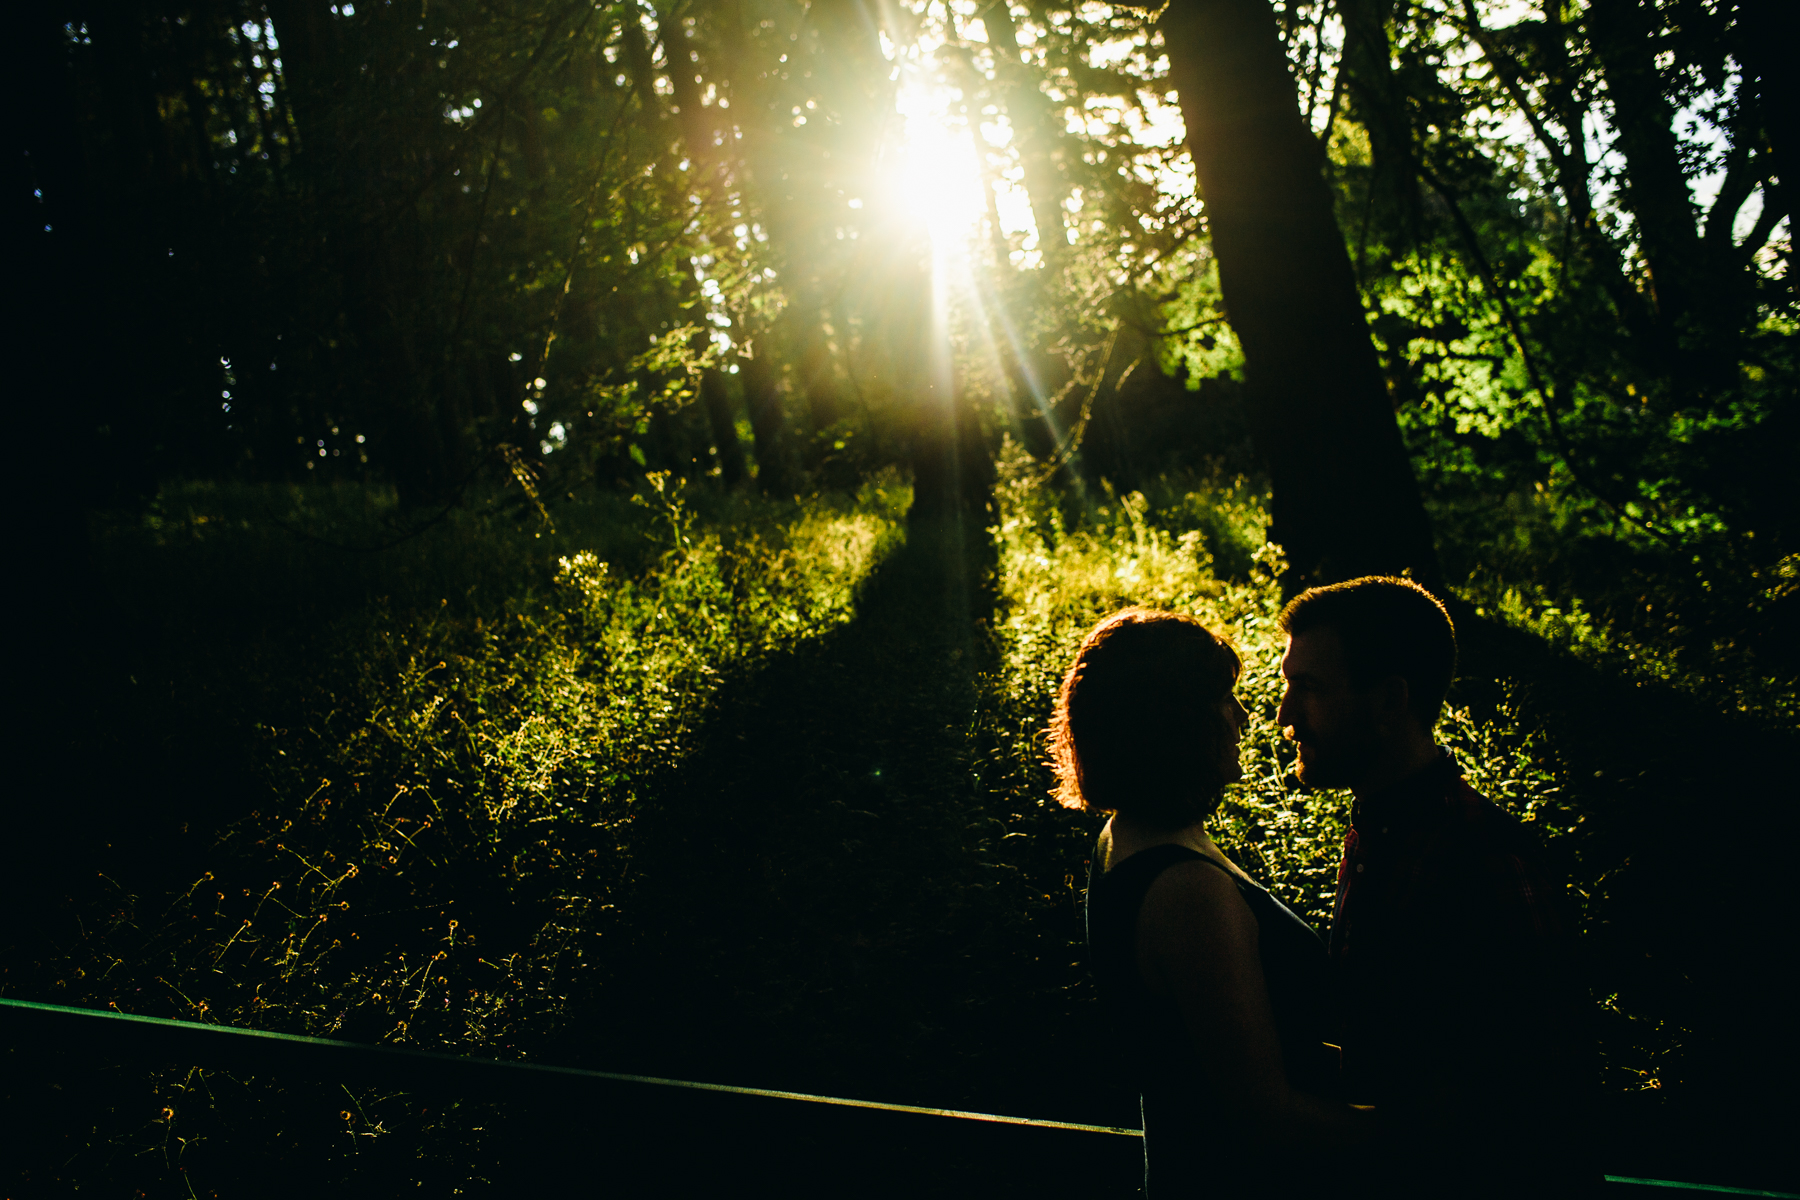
1458	1007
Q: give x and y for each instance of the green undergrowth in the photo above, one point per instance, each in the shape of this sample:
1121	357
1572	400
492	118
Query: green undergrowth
480	759
1708	613
434	833
1065	562
448	755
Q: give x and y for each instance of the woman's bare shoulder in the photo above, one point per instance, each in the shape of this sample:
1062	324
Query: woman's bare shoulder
1193	893
1196	936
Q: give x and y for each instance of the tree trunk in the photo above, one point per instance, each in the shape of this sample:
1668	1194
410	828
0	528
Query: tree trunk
698	128
1034	126
1378	101
1703	290
1345	500
716	158
1764	38
715	397
411	439
1624	34
952	466
816	381
762	396
308	43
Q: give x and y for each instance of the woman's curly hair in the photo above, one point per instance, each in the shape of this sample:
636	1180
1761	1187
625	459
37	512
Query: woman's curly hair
1137	727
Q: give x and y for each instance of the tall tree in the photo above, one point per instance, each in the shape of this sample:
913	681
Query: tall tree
1034	124
1345	501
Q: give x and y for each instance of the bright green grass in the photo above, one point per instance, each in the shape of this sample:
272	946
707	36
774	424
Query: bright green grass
473	766
1065	564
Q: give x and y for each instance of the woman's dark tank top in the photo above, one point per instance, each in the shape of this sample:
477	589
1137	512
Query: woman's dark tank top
1194	1140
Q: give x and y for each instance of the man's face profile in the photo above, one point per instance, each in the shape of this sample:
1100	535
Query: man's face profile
1334	725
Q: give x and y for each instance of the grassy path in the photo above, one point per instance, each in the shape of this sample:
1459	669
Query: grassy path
812	899
817	902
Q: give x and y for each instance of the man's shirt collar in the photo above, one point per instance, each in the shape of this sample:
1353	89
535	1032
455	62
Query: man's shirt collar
1411	803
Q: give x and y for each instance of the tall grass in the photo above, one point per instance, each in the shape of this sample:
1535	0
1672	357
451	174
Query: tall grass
442	794
1707	614
1066	562
453	746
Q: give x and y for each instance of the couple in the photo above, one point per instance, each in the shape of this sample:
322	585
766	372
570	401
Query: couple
1447	980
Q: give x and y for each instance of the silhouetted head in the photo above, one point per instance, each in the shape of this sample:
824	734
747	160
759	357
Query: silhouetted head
1146	724
1368	665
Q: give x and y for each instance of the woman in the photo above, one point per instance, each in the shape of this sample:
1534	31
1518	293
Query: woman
1214	990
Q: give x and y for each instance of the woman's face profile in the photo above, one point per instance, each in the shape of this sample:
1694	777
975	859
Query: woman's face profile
1236	716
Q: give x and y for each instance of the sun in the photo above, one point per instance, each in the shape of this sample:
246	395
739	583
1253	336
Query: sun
936	172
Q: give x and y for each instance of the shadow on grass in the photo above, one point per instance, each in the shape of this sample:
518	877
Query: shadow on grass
1686	851
822	920
810	909
813	907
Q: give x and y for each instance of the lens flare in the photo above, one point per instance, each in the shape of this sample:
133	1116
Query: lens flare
936	174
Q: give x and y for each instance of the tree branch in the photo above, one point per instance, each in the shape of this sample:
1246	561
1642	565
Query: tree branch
502	100
1742	175
1759	233
1507	71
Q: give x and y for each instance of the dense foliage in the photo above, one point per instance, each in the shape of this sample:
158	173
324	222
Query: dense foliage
524	820
334	240
435	817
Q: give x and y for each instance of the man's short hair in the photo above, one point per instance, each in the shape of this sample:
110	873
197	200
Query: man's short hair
1137	727
1388	626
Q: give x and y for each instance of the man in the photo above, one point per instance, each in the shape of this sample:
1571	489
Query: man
1458	1009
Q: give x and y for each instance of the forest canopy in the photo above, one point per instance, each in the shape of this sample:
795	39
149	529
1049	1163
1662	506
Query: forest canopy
564	243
